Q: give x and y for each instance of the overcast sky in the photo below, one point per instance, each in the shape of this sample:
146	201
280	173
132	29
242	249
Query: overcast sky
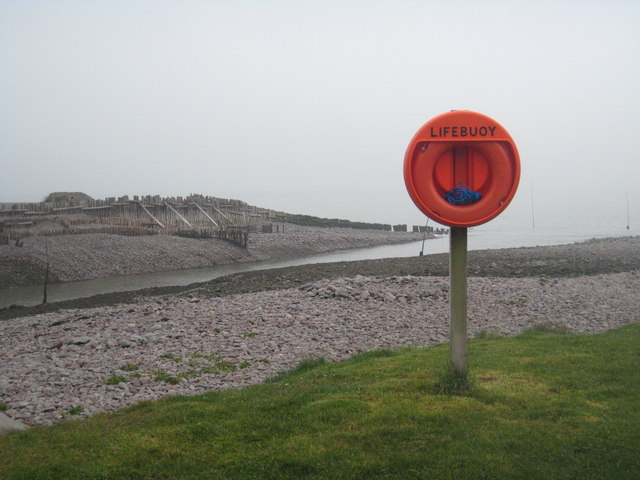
286	103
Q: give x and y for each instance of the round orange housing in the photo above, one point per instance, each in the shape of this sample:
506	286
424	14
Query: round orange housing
462	148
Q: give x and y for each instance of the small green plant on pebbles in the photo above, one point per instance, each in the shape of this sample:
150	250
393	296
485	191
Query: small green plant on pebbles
114	380
226	366
245	364
3	407
129	367
165	377
212	357
75	411
220	367
169	356
518	302
250	335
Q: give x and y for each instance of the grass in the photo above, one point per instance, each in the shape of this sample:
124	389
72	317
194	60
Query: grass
540	406
221	366
162	376
129	367
518	302
453	382
114	380
212	357
169	356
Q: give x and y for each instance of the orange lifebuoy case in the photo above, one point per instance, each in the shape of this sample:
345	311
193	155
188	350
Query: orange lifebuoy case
462	148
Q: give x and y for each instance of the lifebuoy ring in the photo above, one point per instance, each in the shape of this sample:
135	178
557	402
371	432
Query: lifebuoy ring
493	170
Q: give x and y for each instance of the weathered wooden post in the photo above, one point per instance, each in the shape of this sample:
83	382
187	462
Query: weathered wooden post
461	169
458	298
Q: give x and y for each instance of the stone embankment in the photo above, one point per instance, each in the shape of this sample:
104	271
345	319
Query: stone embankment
84	257
73	363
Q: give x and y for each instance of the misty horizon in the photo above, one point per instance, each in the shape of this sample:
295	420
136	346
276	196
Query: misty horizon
309	108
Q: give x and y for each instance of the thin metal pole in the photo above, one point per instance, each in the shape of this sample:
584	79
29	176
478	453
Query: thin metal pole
533	216
627	210
458	298
46	273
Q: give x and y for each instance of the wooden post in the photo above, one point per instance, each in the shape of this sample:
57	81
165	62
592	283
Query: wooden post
149	213
458	298
179	216
205	213
222	214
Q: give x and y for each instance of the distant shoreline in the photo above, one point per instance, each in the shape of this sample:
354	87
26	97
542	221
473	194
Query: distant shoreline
592	257
96	255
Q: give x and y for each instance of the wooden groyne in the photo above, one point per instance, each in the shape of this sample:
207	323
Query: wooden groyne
194	216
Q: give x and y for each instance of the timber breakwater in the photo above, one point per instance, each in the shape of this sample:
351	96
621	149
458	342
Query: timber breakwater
80	238
196	216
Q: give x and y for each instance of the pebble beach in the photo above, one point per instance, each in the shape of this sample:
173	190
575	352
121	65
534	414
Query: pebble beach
71	363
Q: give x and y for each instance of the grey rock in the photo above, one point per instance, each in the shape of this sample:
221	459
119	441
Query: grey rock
8	424
389	297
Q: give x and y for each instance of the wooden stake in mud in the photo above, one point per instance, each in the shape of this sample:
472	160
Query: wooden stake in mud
458	298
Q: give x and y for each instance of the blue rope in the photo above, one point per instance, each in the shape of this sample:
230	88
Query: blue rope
462	196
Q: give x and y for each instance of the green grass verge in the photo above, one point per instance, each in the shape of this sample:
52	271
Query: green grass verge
541	406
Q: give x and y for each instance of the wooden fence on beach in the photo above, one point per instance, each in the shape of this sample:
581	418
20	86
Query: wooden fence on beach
194	216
